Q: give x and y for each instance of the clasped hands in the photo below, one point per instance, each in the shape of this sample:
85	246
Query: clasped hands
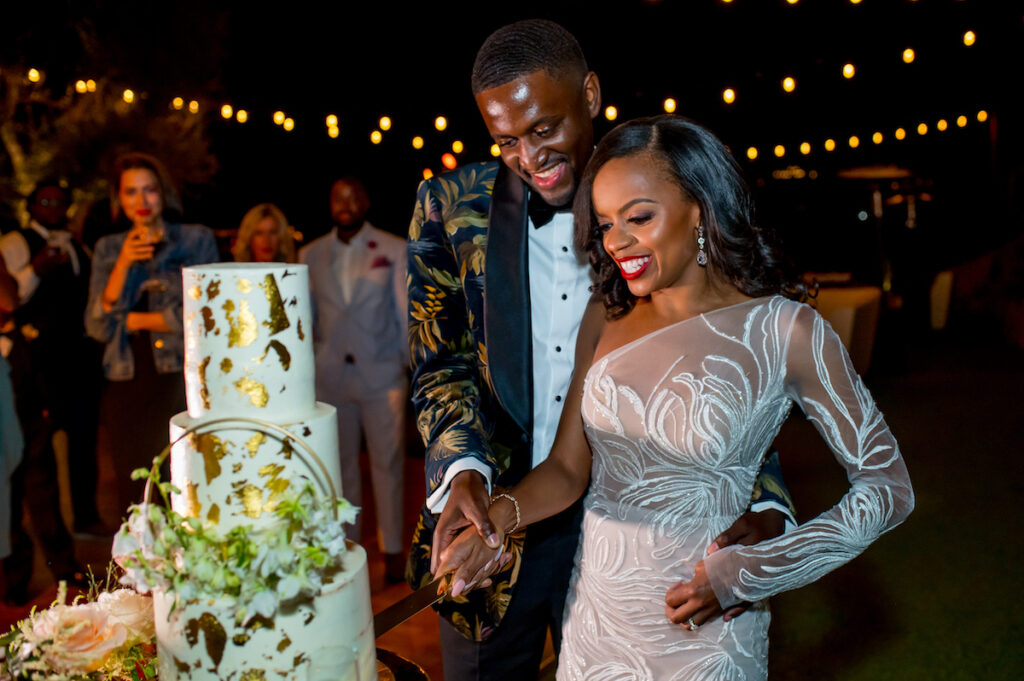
468	543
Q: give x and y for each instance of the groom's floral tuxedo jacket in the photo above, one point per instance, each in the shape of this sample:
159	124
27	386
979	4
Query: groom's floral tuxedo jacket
471	355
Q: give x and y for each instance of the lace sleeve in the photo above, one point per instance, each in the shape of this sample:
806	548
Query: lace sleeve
821	379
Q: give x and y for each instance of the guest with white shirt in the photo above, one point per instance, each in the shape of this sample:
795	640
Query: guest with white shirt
357	277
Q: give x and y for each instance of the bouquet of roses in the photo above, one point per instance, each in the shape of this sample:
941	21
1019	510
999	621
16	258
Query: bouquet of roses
111	637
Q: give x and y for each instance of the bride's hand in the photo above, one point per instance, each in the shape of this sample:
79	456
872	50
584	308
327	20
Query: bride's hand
692	603
472	561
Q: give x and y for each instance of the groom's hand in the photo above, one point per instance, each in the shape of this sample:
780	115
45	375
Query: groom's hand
467	505
749	528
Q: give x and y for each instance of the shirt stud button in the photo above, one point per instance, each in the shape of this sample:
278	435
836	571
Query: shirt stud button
558	398
565	297
558	348
565	249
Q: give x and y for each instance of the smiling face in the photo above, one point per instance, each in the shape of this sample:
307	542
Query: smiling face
543	125
141	197
647	224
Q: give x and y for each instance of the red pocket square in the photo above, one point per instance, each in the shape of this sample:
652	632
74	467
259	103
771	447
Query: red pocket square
380	261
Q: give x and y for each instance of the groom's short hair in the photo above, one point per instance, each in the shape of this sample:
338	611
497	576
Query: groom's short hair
525	47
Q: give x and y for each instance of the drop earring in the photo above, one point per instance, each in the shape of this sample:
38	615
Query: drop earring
702	256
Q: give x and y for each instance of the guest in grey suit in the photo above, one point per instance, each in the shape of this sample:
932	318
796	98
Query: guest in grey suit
357	277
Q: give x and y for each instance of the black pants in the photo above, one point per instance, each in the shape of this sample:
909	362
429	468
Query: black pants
514	651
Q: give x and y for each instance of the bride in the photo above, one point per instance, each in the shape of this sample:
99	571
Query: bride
695	356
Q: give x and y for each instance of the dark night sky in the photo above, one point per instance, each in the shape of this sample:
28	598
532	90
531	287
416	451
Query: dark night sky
363	60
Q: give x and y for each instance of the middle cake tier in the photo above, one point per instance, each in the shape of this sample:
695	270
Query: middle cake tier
232	474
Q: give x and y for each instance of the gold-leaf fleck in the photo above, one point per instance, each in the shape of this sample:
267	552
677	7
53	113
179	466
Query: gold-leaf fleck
282	354
278	317
209	323
242	332
254	443
213	289
192	506
253	675
212	449
251	497
213	515
254	390
225	365
302	336
285	642
244	285
240	639
204	390
215	636
194	292
236	467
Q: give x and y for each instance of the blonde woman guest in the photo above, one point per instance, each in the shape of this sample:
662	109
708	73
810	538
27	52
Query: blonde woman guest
264	236
135	309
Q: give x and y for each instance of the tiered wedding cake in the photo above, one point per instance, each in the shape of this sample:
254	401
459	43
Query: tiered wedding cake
249	353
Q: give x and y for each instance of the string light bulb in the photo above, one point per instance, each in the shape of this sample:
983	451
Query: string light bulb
729	95
752	153
805	148
193	107
226	111
969	38
80	86
922	129
789	83
941	125
982	116
854	141
241	115
279	118
427	173
178	103
288	124
457	146
448	160
332	121
385	124
877	138
900	133
495	150
908	55
830	144
849	70
611	113
376	136
417	142
440	123
961	121
669	105
128	96
34	76
90	85
780	150
333	132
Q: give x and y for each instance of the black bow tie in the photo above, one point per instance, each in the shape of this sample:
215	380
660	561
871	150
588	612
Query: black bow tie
540	212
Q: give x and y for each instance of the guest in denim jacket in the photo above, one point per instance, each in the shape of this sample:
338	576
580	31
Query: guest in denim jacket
135	309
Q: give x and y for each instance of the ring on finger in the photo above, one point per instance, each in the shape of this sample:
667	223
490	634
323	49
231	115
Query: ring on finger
693	625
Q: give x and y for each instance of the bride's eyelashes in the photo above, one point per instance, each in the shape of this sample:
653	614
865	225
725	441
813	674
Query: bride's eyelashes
640	219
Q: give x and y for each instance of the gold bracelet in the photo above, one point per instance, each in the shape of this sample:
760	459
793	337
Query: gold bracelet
515	504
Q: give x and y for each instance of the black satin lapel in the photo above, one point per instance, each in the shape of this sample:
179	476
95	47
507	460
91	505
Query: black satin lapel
507	300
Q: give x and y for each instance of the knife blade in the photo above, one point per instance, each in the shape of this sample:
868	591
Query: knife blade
423	597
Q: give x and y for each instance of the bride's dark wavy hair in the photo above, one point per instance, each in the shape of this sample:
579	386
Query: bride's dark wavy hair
742	251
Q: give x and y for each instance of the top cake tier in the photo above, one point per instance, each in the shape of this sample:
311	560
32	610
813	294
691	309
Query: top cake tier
248	341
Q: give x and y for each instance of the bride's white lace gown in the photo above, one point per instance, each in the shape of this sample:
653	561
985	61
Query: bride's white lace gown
678	421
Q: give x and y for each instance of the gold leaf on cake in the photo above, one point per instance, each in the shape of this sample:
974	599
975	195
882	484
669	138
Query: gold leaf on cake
240	639
253	675
194	292
213	289
282	354
243	331
275	486
225	365
183	667
251	497
216	637
213	515
204	390
236	467
212	449
286	449
302	336
209	323
254	443
298	659
244	285
254	390
259	622
278	318
192	506
285	642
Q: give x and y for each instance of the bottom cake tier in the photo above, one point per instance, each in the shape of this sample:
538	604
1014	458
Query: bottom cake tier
328	638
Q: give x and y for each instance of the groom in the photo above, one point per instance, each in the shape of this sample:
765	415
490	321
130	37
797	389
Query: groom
496	294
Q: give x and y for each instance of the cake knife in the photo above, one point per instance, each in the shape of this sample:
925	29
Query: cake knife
423	597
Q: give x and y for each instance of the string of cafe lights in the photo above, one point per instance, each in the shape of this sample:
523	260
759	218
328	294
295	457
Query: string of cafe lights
729	95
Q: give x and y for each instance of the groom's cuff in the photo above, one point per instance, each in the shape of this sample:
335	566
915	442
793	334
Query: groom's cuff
759	506
436	501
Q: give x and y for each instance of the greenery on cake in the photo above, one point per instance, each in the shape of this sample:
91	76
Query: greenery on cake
259	568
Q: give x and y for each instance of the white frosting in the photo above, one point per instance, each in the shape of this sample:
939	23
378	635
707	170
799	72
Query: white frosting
329	638
236	473
248	341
